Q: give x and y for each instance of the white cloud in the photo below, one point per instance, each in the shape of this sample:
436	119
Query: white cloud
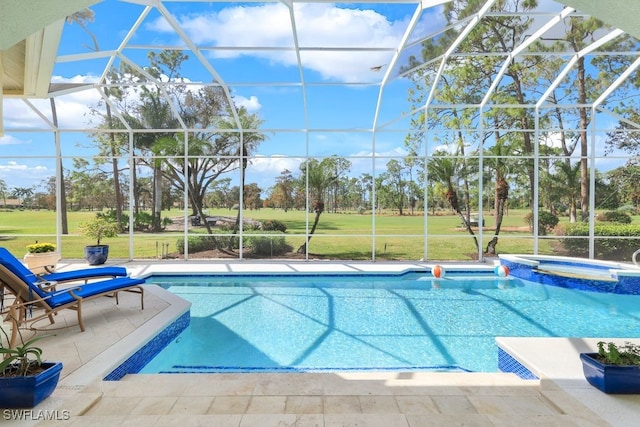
16	174
273	165
72	109
553	140
318	26
18	114
11	140
251	104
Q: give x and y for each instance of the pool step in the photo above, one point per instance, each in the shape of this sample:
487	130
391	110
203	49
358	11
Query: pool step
204	369
591	275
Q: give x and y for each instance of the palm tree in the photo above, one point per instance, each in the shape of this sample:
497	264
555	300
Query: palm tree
571	176
247	136
444	168
3	192
499	150
320	175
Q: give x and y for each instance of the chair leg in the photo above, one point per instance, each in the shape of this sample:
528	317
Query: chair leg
14	327
79	310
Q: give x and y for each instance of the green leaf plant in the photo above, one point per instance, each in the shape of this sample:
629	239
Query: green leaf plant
612	354
20	360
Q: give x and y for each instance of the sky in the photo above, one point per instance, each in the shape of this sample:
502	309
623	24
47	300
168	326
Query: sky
347	50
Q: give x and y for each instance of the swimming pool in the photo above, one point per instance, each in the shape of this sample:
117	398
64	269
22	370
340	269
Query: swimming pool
375	321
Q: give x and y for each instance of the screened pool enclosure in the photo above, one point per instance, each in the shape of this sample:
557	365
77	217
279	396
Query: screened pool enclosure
382	130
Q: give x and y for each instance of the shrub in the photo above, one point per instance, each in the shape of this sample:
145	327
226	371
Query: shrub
274	225
273	244
614	216
613	241
110	215
196	244
203	243
100	228
38	248
546	222
142	221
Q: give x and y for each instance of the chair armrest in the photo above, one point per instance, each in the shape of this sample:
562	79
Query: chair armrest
47	286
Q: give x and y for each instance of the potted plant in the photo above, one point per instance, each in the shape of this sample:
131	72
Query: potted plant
97	229
613	369
25	380
41	257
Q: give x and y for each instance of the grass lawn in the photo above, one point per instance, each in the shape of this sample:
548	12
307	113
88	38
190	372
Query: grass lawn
338	235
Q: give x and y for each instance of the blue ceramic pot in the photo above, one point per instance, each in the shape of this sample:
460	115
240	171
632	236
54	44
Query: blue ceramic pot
96	254
612	379
27	392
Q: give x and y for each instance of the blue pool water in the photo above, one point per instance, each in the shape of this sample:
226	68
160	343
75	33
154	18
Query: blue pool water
411	321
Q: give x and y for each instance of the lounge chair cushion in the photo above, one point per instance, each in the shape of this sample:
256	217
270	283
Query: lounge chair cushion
64	296
12	263
86	273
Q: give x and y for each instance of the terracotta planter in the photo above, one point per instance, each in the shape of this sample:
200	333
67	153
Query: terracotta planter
612	379
27	392
43	262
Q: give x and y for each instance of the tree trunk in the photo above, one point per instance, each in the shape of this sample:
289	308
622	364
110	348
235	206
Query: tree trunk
584	144
157	198
502	195
114	166
63	192
236	226
319	208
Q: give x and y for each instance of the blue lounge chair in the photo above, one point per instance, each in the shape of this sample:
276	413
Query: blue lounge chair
31	292
85	274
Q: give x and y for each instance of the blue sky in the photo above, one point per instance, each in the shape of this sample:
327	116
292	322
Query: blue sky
250	47
263	75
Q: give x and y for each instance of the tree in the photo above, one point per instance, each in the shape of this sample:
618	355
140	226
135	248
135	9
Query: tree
154	112
366	181
82	18
218	194
411	162
245	135
3	191
570	176
468	78
395	185
92	188
626	180
252	199
498	163
23	193
282	194
444	168
575	90
320	175
580	33
210	155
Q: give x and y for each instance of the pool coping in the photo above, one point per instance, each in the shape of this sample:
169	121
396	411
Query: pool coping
556	361
104	363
